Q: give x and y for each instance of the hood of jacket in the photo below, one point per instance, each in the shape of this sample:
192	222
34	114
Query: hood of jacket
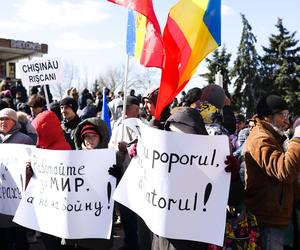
49	132
101	128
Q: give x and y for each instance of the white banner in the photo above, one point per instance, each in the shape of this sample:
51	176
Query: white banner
178	185
13	160
41	72
70	195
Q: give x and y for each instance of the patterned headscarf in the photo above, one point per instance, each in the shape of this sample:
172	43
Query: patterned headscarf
209	112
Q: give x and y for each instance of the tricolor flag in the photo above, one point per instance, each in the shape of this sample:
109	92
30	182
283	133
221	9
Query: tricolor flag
144	39
192	31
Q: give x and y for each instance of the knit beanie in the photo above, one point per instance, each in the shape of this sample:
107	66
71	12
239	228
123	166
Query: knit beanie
270	105
187	120
8	113
214	95
69	101
88	129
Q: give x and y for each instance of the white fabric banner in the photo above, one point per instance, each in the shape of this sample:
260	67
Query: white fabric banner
70	194
41	72
13	160
178	185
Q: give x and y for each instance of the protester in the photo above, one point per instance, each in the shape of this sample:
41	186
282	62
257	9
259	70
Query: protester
149	103
12	236
90	134
213	100
121	137
271	170
54	107
26	126
188	120
37	104
68	109
192	98
89	111
49	132
3	104
50	136
10	128
116	107
96	129
85	95
74	94
184	120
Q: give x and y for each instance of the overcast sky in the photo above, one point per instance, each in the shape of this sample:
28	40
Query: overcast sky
91	33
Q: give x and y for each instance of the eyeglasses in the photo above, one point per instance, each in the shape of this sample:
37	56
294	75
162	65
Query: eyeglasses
285	115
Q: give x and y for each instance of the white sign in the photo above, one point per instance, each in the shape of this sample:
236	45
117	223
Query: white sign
47	71
178	185
13	160
70	195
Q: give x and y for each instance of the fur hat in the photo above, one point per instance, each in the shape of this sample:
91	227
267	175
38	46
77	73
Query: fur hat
9	113
270	105
69	101
214	95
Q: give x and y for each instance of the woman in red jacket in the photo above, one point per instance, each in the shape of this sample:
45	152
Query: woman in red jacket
49	132
50	136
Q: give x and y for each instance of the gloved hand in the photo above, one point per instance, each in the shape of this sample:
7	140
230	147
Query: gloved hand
132	150
122	146
115	171
233	166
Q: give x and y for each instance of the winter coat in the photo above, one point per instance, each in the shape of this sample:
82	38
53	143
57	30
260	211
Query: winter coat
270	175
69	130
15	136
49	132
89	111
101	128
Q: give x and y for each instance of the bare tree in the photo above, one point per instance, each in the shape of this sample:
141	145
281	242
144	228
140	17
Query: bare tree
71	75
138	79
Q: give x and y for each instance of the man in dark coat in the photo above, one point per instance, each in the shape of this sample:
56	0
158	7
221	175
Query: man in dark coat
68	109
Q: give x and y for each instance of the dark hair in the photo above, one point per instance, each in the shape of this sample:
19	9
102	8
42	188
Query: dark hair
36	101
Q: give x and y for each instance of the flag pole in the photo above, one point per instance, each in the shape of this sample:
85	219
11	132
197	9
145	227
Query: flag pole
46	96
125	93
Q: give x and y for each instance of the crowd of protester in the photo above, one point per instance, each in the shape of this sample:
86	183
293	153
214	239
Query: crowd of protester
263	206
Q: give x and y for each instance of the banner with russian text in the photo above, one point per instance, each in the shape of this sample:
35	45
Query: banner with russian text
178	185
70	194
13	160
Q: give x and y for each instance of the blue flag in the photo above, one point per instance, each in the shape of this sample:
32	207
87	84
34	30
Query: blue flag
105	113
130	44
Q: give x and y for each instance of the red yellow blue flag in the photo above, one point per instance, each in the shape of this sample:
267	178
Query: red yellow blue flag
192	31
144	39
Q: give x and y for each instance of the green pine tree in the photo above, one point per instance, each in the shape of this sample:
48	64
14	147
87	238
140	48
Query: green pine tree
281	66
245	72
219	63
